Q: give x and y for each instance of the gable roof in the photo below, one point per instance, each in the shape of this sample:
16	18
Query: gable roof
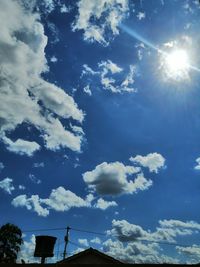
90	251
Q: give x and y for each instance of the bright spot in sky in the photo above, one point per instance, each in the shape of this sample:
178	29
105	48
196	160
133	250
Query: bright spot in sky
177	64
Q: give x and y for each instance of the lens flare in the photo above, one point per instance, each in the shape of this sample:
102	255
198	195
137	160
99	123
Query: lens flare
177	63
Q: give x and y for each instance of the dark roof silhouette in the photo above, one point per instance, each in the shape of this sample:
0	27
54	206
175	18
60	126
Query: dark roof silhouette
90	252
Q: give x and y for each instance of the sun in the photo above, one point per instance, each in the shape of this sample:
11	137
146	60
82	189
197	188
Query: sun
176	64
177	60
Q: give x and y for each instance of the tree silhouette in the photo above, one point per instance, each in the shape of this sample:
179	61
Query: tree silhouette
10	242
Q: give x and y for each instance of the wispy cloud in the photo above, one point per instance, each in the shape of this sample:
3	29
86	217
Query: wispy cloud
7	185
96	18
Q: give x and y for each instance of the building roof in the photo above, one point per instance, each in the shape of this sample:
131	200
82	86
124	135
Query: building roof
88	252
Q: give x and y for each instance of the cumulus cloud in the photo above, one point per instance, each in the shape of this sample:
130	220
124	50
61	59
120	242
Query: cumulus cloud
6	185
59	200
63	200
83	242
127	241
125	231
110	75
103	204
113	179
23	89
153	161
26	251
97	18
96	240
32	203
136	252
21	147
193	252
197	167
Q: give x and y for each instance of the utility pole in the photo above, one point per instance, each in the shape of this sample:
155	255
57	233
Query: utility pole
66	242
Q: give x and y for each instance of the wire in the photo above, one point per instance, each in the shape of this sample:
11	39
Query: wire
89	232
63	228
46	229
104	234
77	245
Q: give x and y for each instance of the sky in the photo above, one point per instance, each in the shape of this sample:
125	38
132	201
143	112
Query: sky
99	126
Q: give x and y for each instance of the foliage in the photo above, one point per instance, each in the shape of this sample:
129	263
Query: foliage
10	242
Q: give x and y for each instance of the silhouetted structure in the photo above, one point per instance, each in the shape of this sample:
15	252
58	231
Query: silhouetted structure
44	247
90	256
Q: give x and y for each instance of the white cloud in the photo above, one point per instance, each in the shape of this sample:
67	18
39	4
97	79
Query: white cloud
110	83
140	50
136	252
109	66
125	231
65	9
21	147
34	179
6	185
179	224
197	167
87	90
58	200
27	250
153	161
21	187
53	59
96	240
83	242
112	179
32	203
22	87
141	15
57	101
193	252
123	236
88	70
96	18
108	72
1	166
38	164
63	200
103	204
49	5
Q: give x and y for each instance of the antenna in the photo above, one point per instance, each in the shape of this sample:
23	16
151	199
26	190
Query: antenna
66	242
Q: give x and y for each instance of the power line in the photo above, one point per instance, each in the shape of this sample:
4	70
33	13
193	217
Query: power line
64	228
104	234
45	229
87	231
77	245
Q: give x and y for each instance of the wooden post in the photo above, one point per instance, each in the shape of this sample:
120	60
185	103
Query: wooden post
66	242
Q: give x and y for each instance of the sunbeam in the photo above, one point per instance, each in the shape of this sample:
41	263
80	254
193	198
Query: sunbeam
175	63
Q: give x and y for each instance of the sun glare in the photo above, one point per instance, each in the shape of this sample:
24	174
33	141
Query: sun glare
176	64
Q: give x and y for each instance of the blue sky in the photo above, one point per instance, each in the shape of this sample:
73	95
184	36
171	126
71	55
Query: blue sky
99	125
